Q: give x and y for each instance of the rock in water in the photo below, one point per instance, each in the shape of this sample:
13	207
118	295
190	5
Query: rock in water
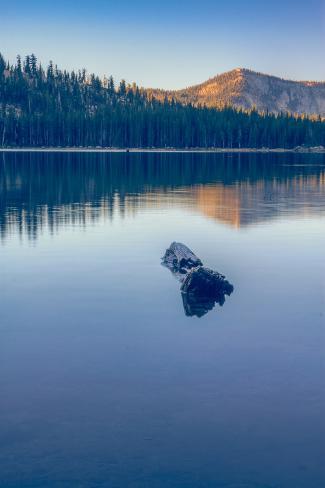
201	287
205	282
180	259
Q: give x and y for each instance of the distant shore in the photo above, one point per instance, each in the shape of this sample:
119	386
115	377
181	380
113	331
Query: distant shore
297	150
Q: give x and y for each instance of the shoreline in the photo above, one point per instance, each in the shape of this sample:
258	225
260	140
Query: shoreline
314	150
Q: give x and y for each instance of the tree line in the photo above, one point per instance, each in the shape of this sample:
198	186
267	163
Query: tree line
52	107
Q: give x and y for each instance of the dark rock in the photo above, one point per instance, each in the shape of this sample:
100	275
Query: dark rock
179	258
205	282
201	289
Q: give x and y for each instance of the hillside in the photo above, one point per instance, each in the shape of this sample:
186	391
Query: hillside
246	89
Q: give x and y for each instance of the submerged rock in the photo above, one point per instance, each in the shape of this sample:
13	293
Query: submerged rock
201	287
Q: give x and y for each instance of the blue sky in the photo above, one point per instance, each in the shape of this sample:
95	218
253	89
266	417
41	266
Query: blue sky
169	44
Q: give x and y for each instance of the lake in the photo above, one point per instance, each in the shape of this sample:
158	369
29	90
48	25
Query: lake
107	379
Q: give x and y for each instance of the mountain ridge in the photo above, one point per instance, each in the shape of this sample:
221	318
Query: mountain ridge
247	89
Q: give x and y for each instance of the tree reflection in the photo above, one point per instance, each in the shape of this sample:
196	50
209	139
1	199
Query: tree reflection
51	190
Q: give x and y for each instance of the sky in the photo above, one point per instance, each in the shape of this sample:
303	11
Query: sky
169	44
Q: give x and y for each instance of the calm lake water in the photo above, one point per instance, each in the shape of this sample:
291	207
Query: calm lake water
105	381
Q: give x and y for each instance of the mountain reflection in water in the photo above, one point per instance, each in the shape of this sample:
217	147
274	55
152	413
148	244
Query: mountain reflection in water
44	190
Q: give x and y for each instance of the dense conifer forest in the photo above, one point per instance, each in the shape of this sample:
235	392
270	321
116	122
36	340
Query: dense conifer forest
50	107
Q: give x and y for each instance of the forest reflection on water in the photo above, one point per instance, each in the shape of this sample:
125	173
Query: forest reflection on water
44	190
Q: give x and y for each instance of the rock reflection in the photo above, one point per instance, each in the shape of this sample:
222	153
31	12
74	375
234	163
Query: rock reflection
196	305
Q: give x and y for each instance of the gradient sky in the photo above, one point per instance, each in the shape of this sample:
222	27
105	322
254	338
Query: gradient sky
169	44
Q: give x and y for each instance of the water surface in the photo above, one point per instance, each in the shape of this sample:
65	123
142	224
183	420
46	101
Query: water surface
104	379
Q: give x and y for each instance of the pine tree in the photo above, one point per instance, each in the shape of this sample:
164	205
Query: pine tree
19	64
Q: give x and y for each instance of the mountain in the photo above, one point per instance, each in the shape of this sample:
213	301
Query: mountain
246	89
